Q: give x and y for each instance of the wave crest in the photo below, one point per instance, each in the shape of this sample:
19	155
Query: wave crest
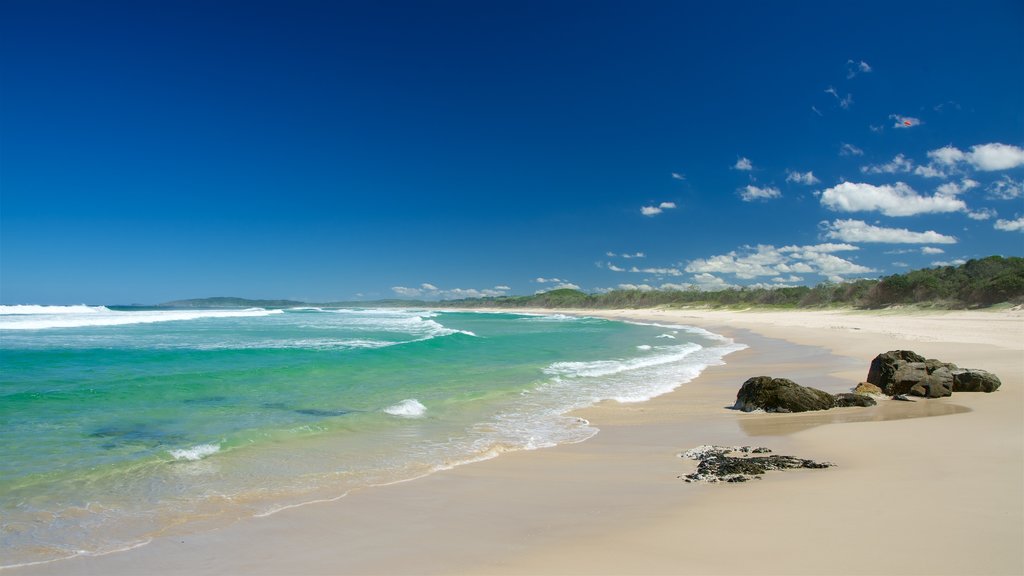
408	408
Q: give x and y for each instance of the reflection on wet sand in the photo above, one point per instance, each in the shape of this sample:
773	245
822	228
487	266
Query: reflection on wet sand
781	424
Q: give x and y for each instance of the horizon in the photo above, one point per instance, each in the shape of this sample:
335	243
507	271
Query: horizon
341	152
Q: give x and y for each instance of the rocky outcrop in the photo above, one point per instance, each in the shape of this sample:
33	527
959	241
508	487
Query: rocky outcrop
735	464
867	388
972	380
905	372
846	399
780	395
900	372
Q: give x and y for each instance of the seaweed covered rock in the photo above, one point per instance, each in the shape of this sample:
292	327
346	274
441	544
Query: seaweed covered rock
847	399
735	464
972	380
780	395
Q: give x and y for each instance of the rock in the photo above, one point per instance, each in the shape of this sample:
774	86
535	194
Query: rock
846	399
904	372
884	367
902	398
780	395
717	463
867	388
973	380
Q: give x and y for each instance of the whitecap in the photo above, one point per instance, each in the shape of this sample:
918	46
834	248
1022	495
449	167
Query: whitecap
102	316
644	347
194	453
408	408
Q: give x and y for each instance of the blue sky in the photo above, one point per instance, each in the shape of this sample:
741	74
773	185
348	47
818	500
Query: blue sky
358	150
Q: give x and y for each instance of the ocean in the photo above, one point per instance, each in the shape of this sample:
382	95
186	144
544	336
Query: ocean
123	425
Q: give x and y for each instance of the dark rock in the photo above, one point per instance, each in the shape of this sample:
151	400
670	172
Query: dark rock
717	464
902	398
780	395
905	372
867	388
846	399
884	367
972	380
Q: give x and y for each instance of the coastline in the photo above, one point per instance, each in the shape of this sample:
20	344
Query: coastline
905	490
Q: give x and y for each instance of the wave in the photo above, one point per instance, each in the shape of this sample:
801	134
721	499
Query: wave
608	367
101	316
32	309
409	408
194	453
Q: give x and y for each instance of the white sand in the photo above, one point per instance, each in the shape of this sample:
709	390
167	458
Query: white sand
911	494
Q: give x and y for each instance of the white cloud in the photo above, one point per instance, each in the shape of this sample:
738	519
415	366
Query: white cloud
563	286
709	282
901	264
929	171
850	150
789	279
655	210
982	214
952	188
743	164
429	291
947	155
844	102
891	200
615	268
634	255
659	271
1010	225
751	193
860	231
542	280
956	262
995	156
899	164
932	250
1006	189
807	178
641	287
678	176
816	111
670	286
905	121
854	68
769	261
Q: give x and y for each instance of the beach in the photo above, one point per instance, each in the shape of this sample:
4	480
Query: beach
929	487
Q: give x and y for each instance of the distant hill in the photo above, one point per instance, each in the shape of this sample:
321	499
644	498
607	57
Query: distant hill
231	302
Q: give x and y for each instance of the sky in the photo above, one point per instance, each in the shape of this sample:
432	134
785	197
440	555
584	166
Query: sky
326	151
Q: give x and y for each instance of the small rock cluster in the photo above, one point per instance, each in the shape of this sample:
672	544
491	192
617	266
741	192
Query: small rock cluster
905	372
735	463
898	373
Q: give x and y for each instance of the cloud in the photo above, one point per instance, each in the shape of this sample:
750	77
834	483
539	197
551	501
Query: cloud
891	200
982	214
1010	225
952	188
562	286
1005	189
789	279
542	280
615	268
932	250
956	262
641	287
844	102
905	121
750	193
743	164
807	178
429	291
901	264
655	210
985	157
854	68
947	155
769	261
709	282
995	156
678	176
860	231
658	271
899	164
850	150
816	111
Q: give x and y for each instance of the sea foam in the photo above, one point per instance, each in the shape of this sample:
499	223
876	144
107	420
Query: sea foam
84	316
408	408
195	453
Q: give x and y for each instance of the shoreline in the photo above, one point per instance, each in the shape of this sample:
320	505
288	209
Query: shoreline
614	504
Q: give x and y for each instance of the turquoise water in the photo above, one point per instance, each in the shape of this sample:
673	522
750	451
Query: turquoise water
123	425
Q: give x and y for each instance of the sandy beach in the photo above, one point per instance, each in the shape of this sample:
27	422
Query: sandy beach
930	487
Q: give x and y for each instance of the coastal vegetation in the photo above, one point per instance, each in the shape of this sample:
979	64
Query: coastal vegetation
976	283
